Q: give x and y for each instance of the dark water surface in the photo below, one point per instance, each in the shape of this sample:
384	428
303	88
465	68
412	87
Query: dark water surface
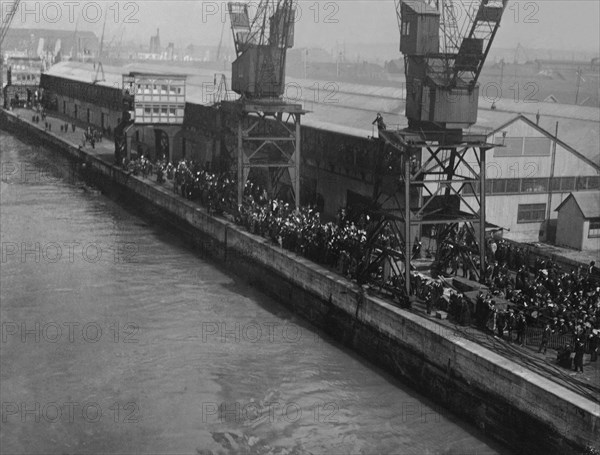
117	339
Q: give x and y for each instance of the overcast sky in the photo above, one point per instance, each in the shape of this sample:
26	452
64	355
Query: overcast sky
572	25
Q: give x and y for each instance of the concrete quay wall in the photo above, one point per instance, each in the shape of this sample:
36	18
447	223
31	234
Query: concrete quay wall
522	409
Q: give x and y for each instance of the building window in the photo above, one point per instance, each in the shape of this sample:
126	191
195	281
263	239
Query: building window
405	28
587	183
531	213
594	228
512	185
567	184
534	186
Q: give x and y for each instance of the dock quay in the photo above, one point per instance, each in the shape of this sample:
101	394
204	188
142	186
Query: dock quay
518	402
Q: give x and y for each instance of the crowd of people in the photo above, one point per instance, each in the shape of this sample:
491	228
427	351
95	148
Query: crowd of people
337	244
522	295
541	296
91	135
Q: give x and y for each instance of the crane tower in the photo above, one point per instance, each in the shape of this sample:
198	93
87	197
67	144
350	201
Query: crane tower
261	39
424	170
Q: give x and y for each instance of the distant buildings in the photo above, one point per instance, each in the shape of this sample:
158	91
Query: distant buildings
72	45
155	47
530	173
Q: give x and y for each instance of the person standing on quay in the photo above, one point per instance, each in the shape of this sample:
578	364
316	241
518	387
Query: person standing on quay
545	338
594	339
579	350
521	327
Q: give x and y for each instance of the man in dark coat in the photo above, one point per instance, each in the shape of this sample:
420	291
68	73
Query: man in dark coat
594	339
545	338
521	326
510	324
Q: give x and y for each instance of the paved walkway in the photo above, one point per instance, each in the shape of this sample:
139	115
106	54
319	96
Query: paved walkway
587	384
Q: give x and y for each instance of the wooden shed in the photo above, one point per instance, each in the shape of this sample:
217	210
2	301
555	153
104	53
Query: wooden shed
579	221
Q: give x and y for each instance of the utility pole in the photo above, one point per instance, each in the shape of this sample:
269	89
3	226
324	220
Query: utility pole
306	64
579	79
553	162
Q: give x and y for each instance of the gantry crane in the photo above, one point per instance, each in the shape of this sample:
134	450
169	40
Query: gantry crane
262	38
4	26
425	170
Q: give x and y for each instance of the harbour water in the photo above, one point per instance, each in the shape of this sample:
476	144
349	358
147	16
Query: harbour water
118	339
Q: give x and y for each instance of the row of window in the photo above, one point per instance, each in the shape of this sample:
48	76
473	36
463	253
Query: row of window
159	114
153	89
159	110
536	185
25	77
35	68
531	213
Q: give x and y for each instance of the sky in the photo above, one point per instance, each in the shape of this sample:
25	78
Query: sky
571	25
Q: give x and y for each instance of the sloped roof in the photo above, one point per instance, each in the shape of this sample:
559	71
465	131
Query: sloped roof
85	72
587	201
546	133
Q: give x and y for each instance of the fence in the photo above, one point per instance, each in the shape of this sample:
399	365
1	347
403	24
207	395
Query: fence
533	337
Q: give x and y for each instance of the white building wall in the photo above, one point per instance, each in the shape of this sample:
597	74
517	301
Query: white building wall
589	244
533	162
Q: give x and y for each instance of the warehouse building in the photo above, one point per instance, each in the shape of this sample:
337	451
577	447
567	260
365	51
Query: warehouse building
530	173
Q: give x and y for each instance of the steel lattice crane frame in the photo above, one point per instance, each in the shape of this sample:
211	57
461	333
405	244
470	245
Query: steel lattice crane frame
268	128
6	22
443	58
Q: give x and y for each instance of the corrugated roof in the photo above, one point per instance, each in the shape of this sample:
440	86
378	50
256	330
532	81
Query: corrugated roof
587	201
85	72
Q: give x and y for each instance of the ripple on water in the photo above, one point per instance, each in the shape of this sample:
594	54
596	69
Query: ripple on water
176	372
